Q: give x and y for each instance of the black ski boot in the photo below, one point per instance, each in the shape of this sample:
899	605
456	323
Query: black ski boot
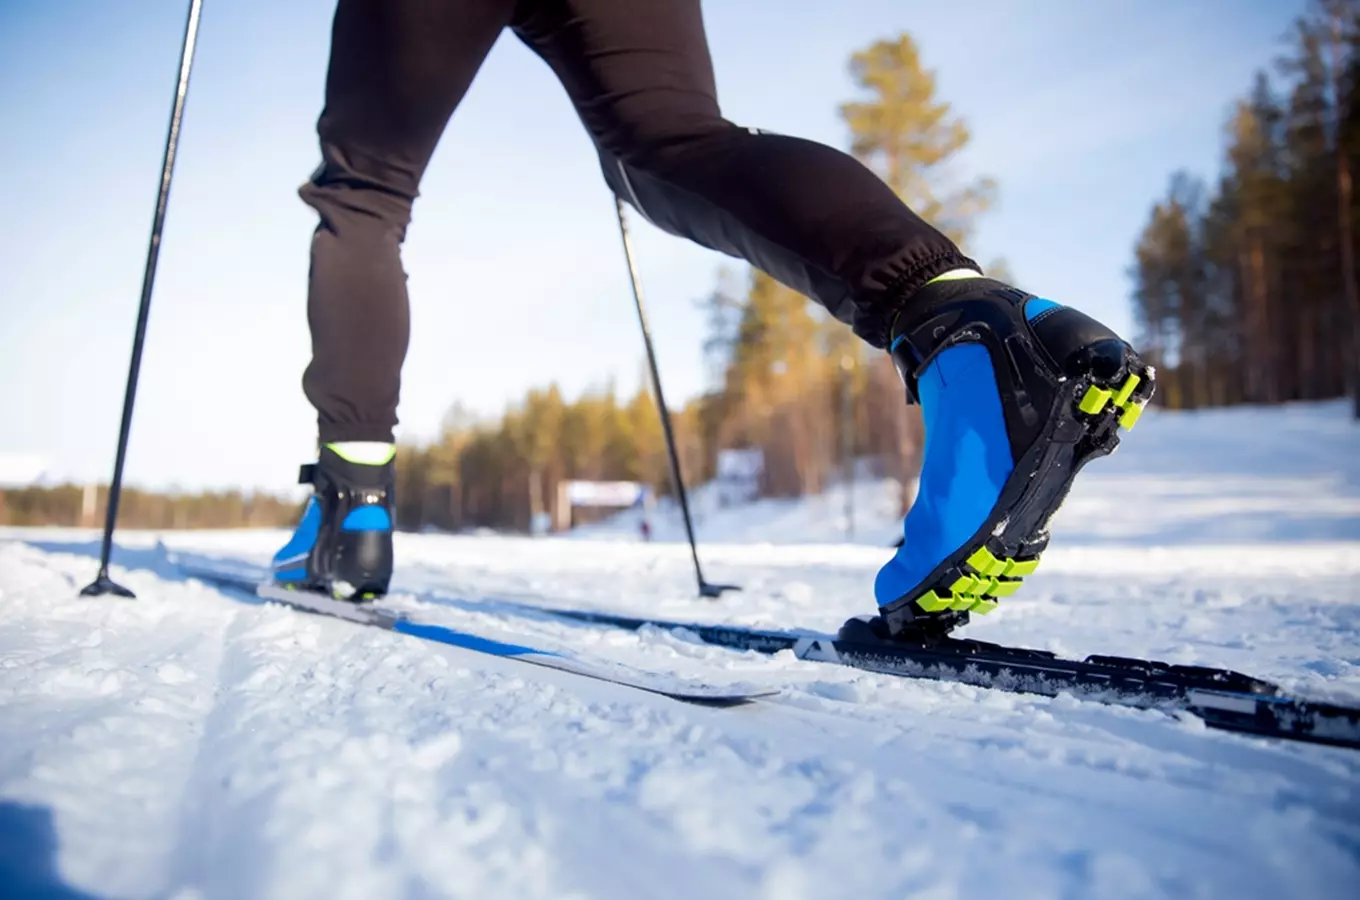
343	545
1018	393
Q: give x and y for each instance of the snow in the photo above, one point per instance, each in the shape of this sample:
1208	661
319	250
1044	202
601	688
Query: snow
189	745
1289	472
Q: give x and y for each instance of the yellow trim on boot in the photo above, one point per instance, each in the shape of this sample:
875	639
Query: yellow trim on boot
956	275
364	453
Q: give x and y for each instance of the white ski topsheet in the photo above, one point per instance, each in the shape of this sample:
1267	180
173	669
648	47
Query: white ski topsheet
189	745
551	655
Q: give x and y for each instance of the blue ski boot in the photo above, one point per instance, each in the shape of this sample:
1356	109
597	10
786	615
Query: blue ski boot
343	546
1018	393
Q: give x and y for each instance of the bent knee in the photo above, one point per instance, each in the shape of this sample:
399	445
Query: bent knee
352	200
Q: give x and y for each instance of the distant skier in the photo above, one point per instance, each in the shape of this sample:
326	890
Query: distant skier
1017	391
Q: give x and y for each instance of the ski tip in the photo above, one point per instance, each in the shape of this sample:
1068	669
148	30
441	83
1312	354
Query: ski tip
723	697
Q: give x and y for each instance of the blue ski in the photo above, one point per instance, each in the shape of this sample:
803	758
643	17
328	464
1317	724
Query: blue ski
378	617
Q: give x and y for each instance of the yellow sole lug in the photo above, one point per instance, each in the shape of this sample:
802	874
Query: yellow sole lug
978	591
1095	400
1005	588
1121	399
1130	417
963	601
992	577
964	585
985	563
933	602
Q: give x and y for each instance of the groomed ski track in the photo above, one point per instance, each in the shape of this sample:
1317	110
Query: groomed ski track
189	745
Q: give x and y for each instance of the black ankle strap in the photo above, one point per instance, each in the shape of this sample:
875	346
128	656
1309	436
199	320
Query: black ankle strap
935	324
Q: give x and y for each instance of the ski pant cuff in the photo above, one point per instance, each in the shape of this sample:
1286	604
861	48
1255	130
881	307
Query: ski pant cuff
903	295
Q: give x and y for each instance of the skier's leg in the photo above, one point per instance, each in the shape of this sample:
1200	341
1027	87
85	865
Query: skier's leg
396	73
811	216
1017	392
397	70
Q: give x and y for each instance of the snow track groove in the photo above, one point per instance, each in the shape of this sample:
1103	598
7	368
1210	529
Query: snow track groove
119	729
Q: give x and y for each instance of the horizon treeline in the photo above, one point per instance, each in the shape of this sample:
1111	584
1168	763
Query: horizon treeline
1245	290
85	506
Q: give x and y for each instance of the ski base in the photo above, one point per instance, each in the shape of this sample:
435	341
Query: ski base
378	617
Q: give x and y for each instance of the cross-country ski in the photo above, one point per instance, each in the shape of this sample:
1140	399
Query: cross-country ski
561	659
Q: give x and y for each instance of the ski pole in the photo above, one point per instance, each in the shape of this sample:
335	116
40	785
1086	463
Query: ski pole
102	583
706	589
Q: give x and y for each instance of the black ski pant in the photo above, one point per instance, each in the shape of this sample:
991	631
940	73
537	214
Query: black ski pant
640	76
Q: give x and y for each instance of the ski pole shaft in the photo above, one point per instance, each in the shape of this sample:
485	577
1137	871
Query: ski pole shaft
102	583
705	588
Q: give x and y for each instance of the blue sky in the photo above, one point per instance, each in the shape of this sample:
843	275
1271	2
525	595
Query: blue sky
1079	110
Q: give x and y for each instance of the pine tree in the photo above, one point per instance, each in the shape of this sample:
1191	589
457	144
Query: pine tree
1251	293
909	137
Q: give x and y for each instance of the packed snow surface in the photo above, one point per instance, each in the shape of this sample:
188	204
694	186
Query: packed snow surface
188	744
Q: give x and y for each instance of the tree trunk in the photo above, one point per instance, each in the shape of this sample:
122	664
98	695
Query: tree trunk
1253	328
535	494
1344	188
1262	342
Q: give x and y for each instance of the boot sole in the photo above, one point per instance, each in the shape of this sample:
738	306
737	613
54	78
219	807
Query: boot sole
335	592
1085	422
